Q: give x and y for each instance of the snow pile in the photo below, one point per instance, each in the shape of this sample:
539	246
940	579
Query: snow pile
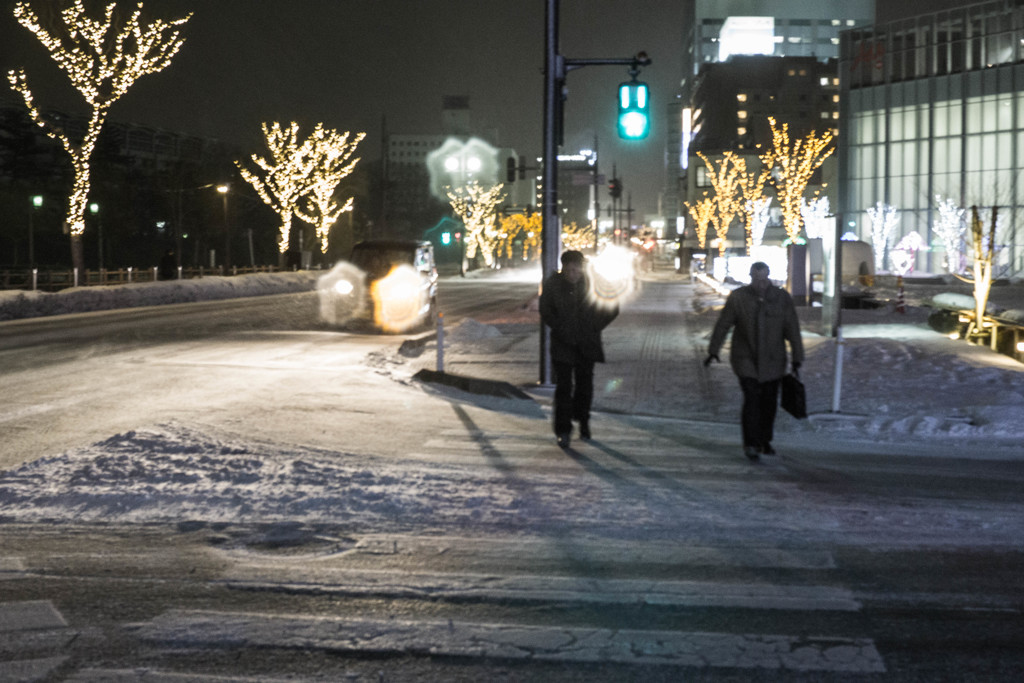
32	304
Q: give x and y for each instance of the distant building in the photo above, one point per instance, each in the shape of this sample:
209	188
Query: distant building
419	168
933	106
732	102
719	29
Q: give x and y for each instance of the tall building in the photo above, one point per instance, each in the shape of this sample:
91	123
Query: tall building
718	29
933	109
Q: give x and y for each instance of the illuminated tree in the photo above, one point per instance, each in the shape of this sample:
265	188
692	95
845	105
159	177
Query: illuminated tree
904	254
332	162
701	213
725	181
884	218
951	227
298	172
815	216
474	205
577	237
754	205
524	228
102	61
791	164
758	209
983	257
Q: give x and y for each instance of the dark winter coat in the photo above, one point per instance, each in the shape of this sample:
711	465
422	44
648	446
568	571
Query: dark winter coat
762	328
575	318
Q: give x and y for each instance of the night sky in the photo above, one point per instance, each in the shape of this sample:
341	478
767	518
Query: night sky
351	64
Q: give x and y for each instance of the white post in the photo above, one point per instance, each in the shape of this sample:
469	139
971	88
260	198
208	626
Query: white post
76	277
129	273
440	342
838	379
35	278
155	273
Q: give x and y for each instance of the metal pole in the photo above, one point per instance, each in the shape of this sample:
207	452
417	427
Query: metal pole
550	229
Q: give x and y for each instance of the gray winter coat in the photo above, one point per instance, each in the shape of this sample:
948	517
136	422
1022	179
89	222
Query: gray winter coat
762	328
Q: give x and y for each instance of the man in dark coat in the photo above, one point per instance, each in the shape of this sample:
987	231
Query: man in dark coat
576	319
764	319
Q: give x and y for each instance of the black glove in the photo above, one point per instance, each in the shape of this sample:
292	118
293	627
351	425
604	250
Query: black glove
711	357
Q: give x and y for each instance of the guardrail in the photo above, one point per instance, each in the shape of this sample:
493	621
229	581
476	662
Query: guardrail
50	280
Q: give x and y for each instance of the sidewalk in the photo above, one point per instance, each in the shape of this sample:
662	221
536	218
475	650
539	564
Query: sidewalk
900	381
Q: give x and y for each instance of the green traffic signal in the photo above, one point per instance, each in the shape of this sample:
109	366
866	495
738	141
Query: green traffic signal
634	111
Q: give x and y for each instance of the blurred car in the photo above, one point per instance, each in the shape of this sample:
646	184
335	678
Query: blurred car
399	288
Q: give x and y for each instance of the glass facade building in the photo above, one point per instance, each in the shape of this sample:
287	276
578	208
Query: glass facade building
932	108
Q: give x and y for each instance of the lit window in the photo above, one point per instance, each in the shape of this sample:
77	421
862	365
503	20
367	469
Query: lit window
803	72
824	114
791	72
835	81
824	80
741	97
850	22
835	98
835	115
837	22
834	41
835	131
741	131
742	114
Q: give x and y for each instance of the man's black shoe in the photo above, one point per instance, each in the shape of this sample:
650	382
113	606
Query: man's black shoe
752	452
563	440
585	431
768	450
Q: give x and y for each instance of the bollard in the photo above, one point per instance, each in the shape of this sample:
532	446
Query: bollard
35	278
76	277
129	273
838	378
901	306
440	342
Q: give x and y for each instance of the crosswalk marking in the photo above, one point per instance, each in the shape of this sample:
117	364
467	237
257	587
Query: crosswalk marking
515	641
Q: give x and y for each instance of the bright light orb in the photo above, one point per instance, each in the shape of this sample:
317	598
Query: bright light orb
612	274
341	294
397	299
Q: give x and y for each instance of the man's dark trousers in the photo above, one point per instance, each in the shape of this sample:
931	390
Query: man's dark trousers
574	392
760	403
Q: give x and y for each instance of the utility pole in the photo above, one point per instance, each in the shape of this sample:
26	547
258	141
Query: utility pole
556	68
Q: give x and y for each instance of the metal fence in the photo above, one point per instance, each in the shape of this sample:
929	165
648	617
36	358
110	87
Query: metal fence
52	280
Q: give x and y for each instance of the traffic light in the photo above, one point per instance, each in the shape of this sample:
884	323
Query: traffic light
615	188
634	111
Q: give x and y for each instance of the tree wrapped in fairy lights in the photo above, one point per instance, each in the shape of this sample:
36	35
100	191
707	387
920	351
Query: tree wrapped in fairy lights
951	227
332	162
475	206
982	260
884	219
792	163
577	237
102	58
724	177
753	205
701	212
299	177
525	229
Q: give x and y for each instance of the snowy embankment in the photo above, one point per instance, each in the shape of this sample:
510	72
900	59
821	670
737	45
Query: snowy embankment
16	304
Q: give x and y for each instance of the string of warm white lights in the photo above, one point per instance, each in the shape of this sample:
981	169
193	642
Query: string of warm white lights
333	162
724	177
753	204
791	164
102	61
701	213
474	205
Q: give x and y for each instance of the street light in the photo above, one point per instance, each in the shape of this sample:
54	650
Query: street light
223	189
94	209
37	201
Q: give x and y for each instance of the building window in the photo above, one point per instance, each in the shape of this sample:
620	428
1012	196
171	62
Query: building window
742	114
741	97
741	131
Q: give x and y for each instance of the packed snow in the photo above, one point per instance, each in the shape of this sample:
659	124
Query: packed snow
902	383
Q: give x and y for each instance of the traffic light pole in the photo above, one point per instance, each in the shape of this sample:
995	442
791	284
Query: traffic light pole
556	68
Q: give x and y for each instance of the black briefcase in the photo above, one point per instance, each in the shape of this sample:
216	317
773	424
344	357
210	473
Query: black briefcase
794	398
